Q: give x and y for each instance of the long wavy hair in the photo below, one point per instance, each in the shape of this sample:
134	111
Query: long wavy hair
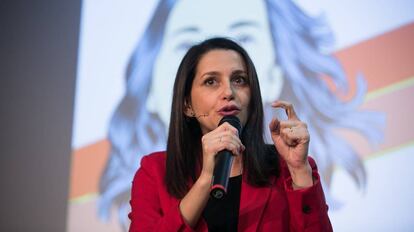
301	43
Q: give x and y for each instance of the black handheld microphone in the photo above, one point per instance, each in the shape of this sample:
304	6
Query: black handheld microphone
224	159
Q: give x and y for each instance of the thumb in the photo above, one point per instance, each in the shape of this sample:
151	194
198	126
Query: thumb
274	126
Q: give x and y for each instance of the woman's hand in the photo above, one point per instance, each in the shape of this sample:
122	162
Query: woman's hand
223	137
291	138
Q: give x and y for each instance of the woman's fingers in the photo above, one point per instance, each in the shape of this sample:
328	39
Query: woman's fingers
290	111
230	142
223	137
292	131
229	139
292	136
274	126
226	127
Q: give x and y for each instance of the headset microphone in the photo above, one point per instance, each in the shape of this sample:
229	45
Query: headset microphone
201	115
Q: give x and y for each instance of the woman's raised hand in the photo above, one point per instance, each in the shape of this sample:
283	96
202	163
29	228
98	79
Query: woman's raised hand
291	138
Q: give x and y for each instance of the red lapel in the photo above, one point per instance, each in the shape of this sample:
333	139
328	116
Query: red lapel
253	201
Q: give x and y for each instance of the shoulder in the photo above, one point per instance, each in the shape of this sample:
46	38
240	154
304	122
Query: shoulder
154	162
154	158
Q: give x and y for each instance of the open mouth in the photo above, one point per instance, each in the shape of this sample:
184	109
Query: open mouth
229	110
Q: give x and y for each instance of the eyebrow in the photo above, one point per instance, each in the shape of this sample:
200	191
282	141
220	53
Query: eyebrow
244	24
210	73
238	71
189	29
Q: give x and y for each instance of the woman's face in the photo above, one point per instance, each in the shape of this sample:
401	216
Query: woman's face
192	21
220	88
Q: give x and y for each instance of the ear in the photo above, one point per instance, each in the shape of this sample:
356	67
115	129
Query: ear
188	110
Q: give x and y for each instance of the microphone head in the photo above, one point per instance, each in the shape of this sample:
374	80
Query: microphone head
234	121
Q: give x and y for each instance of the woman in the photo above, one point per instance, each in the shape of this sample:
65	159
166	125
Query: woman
294	72
272	187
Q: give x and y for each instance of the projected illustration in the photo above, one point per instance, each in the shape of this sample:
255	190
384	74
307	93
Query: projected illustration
297	59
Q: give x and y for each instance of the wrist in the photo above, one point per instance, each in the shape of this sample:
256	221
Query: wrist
301	176
205	179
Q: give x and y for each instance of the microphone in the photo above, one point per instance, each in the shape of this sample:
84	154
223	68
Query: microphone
224	159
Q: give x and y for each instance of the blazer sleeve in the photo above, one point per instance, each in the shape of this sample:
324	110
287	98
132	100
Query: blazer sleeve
307	207
147	214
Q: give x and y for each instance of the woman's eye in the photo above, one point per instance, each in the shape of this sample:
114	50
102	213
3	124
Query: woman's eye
209	82
240	80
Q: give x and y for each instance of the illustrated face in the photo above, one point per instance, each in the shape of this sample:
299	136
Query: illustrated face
191	22
220	88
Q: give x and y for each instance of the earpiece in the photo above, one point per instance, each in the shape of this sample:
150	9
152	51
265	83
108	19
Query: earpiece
190	112
197	116
202	115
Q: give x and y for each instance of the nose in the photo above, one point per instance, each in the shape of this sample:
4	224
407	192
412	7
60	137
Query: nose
228	91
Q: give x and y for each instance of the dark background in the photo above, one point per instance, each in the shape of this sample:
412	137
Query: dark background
38	58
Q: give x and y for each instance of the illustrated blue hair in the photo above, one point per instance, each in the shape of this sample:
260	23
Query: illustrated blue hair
300	43
133	131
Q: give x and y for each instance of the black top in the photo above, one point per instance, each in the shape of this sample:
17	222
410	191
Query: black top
223	214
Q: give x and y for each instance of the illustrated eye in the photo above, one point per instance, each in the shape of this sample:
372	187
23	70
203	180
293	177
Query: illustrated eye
184	46
245	39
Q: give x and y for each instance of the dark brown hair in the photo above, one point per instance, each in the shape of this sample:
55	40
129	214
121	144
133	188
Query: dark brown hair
184	136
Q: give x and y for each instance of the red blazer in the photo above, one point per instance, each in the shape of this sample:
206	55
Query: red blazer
274	208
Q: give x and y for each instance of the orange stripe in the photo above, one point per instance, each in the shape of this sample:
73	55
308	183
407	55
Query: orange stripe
383	60
399	112
87	166
398	129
